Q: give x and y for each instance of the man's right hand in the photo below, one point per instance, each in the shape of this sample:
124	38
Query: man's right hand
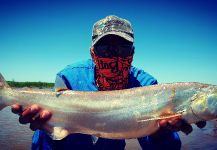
34	115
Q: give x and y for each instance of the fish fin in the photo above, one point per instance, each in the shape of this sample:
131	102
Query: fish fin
59	133
3	83
172	116
56	133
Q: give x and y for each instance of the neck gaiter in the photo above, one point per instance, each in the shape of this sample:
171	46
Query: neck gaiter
112	73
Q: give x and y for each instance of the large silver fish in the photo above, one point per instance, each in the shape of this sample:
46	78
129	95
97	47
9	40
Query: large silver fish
117	114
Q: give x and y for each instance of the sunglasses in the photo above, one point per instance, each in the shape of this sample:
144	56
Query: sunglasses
114	51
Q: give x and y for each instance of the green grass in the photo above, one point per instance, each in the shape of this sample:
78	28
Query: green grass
30	84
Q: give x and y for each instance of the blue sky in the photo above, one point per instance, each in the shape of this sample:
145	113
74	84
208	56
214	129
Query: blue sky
175	41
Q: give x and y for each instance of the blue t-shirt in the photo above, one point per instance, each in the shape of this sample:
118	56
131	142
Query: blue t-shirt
80	77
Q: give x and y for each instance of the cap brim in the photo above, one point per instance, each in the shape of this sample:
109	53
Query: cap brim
121	34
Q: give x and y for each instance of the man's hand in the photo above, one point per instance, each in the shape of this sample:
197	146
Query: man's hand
176	124
179	124
34	115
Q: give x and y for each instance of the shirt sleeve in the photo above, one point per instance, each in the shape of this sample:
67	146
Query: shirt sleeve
168	141
139	77
145	78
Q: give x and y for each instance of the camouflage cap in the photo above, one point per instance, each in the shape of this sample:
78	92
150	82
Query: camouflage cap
112	25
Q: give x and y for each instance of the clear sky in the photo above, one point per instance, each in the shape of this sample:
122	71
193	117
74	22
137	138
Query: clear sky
175	41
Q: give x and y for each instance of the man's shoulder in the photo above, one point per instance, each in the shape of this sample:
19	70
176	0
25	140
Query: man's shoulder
81	64
78	76
77	68
136	71
142	77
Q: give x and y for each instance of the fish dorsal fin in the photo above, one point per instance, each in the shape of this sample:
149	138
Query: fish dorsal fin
3	83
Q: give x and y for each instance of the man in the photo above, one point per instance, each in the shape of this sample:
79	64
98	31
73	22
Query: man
109	69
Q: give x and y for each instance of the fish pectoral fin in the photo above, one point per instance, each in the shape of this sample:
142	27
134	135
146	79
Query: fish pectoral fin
172	116
163	117
56	133
59	133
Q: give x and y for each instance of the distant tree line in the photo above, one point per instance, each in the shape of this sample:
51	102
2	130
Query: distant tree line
30	84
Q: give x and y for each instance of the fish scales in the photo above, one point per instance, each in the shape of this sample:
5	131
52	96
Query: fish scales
119	114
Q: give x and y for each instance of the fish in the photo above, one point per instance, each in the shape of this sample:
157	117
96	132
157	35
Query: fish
119	114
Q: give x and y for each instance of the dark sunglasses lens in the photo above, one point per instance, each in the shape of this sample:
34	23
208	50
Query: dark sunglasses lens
125	50
118	51
103	51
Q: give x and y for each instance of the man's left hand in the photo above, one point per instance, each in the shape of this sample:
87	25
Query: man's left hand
179	124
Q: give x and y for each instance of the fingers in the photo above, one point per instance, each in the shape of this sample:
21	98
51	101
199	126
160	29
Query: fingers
16	108
33	115
163	123
179	124
185	127
38	121
28	115
201	124
176	125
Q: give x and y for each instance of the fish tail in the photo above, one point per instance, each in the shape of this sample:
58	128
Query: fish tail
3	85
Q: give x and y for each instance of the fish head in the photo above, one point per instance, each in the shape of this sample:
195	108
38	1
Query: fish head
204	106
212	103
